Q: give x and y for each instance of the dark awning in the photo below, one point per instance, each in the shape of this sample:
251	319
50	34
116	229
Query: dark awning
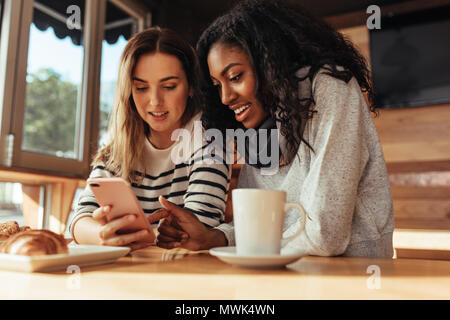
53	13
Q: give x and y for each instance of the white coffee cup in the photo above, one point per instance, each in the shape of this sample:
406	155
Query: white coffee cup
258	216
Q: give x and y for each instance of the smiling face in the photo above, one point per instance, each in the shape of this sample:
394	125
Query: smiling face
232	73
160	91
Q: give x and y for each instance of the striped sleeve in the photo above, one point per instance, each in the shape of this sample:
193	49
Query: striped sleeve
207	191
86	202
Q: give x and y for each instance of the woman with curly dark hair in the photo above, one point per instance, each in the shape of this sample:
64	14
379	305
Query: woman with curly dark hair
267	64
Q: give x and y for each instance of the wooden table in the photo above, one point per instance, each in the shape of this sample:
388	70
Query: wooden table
154	273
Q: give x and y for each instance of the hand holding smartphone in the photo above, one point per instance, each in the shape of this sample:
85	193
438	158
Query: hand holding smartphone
117	193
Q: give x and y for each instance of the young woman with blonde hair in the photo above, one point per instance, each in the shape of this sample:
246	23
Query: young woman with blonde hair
156	94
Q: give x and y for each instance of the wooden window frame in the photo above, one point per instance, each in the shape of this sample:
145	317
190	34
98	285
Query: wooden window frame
56	178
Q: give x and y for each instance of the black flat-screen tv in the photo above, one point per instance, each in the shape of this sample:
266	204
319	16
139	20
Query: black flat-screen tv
410	59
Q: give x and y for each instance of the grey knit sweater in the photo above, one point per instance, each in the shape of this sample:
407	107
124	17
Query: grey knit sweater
343	185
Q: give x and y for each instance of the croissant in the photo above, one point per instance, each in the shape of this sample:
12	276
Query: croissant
34	242
8	228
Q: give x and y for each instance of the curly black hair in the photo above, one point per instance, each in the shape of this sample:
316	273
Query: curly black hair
279	39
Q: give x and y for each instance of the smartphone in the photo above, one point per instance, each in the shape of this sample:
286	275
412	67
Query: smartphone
118	193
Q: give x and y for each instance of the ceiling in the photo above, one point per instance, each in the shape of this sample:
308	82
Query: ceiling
213	8
191	17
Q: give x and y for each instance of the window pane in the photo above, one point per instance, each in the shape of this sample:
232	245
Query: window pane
119	26
11	202
21	203
54	76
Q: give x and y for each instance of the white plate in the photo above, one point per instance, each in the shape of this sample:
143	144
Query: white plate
228	255
79	255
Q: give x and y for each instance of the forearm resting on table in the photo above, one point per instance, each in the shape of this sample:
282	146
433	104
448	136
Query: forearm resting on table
86	231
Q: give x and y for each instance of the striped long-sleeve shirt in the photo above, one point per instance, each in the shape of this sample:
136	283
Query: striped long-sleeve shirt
192	184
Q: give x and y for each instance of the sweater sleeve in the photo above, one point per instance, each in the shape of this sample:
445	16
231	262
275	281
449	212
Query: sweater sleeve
86	202
207	191
337	163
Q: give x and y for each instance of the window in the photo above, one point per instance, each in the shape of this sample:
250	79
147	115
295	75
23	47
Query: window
53	81
11	202
119	26
23	203
53	103
50	73
50	99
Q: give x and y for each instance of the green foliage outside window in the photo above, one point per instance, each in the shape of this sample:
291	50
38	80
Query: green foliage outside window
51	114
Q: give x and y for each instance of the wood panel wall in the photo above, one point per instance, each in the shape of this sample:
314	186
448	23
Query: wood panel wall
419	135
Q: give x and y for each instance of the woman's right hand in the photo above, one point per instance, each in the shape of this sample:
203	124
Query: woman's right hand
108	230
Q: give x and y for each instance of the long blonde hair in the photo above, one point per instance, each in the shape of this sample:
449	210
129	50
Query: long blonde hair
127	130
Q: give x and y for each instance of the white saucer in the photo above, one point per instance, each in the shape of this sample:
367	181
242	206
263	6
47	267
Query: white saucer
228	255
